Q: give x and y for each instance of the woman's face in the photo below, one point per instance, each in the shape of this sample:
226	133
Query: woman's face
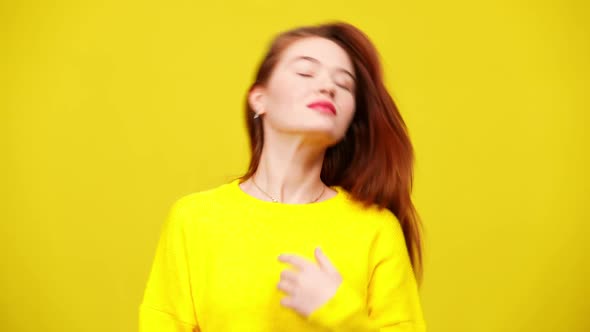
311	91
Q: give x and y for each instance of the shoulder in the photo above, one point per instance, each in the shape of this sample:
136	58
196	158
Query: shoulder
377	225
373	216
200	202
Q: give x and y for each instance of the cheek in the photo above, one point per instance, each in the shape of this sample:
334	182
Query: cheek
348	107
286	93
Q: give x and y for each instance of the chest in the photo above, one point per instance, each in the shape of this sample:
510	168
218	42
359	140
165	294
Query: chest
240	271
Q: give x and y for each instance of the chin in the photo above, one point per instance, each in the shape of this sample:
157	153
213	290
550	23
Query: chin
327	136
326	132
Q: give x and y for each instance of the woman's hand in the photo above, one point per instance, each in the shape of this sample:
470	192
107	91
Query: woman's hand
311	286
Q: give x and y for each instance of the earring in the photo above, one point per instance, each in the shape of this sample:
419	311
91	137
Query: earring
256	112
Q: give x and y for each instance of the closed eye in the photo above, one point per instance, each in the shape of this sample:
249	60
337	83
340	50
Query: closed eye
305	74
345	87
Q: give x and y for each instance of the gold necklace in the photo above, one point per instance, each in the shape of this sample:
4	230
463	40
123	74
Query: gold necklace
274	200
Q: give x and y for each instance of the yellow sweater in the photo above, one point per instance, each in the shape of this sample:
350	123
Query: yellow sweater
216	266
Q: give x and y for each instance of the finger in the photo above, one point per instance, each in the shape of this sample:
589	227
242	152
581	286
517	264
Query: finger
324	262
286	287
288	275
288	302
298	262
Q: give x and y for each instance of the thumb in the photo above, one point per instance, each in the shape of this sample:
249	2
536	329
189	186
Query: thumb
323	261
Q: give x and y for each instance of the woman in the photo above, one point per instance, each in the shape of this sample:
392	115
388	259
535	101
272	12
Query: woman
320	233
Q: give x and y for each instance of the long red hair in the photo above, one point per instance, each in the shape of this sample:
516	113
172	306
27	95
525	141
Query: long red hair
374	162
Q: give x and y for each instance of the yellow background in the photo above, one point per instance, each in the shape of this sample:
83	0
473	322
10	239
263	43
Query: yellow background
111	110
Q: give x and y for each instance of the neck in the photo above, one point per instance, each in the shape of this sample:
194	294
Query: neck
289	169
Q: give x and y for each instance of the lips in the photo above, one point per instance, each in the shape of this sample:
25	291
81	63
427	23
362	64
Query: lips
323	106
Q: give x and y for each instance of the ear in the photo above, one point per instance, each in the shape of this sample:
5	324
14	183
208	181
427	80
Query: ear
256	99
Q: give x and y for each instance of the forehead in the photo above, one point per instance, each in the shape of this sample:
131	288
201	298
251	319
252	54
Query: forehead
326	51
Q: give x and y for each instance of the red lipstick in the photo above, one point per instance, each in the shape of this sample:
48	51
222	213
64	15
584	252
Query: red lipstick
323	106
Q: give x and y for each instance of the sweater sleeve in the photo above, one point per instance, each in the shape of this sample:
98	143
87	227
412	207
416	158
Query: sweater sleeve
392	303
167	304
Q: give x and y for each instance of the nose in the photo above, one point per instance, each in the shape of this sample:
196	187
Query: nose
327	86
328	90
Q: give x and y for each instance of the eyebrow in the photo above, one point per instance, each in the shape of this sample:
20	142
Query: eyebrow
308	58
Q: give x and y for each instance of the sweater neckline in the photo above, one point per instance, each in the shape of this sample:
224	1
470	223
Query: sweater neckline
251	200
